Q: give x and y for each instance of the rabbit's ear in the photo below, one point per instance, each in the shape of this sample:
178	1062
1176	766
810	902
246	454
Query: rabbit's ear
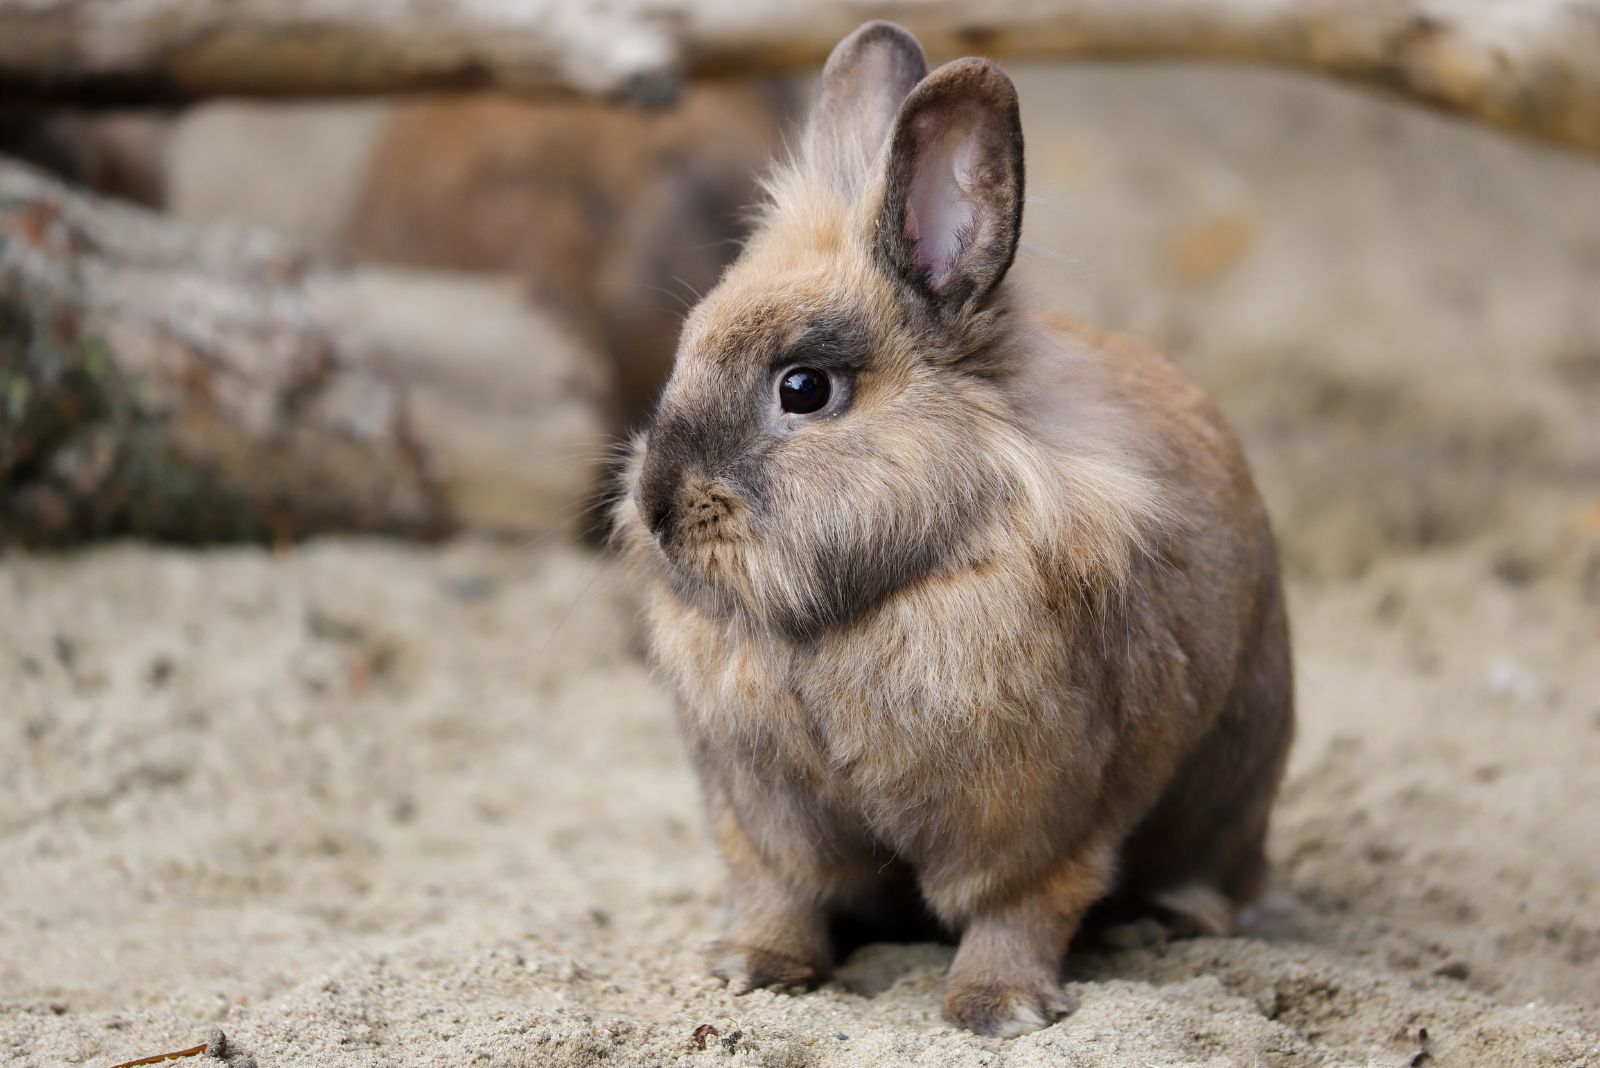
952	208
867	76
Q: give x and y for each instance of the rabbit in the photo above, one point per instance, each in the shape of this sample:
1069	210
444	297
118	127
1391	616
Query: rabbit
950	589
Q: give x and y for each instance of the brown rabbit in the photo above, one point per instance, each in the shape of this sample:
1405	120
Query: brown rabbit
611	216
947	587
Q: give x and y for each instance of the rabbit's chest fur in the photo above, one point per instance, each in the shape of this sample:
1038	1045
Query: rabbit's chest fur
972	709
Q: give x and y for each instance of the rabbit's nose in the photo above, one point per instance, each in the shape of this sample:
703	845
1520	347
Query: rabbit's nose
659	483
660	516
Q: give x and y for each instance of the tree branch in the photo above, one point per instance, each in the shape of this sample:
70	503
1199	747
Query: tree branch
1526	65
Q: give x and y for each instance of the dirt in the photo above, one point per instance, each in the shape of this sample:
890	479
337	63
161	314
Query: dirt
359	803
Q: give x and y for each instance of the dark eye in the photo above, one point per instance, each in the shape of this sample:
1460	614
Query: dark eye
803	390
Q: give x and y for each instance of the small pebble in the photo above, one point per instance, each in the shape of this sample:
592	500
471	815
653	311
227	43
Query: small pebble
159	671
216	1043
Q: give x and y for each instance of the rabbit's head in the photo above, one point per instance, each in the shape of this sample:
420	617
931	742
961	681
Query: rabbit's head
838	422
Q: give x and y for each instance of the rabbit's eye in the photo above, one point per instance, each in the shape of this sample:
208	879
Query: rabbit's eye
803	390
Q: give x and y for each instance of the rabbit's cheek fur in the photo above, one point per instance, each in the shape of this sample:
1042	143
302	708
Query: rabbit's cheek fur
802	526
804	558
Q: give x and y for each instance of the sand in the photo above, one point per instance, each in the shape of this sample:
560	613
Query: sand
360	803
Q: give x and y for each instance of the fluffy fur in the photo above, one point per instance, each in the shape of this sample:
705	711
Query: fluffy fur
1003	618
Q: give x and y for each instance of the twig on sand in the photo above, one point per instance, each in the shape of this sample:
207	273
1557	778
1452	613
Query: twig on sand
194	1051
215	1044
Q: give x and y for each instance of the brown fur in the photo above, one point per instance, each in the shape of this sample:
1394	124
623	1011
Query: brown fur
1005	613
614	218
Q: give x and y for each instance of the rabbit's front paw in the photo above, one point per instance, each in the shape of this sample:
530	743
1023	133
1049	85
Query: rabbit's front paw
747	968
1005	1010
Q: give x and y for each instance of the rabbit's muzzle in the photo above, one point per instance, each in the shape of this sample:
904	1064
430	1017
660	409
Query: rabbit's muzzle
687	509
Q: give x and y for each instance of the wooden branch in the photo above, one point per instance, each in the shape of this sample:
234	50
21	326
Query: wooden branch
204	384
1527	65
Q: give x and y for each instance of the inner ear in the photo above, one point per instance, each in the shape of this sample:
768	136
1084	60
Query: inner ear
940	216
952	210
866	78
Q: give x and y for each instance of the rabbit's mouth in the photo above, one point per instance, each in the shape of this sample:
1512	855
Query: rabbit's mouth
700	511
709	568
701	530
700	556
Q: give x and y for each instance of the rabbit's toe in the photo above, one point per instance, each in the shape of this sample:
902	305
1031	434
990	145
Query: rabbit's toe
747	968
1005	1010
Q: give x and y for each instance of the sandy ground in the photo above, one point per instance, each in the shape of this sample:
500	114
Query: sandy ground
367	804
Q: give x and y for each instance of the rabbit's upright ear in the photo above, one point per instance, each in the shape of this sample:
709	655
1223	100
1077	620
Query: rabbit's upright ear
952	208
867	76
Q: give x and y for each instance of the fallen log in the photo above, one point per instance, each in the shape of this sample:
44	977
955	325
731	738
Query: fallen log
203	384
1527	65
